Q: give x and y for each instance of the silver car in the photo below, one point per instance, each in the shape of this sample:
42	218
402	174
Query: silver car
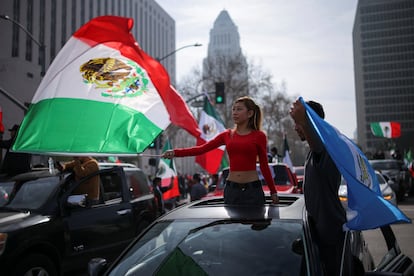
385	187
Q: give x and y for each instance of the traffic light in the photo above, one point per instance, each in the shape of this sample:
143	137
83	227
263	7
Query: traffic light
157	143
220	97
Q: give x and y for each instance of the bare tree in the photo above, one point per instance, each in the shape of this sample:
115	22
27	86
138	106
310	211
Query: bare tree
241	78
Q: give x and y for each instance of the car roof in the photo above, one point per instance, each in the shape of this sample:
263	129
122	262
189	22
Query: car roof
290	207
126	166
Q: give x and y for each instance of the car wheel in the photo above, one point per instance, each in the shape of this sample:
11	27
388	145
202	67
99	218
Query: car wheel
34	265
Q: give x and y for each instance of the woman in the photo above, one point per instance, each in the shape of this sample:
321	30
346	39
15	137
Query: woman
244	143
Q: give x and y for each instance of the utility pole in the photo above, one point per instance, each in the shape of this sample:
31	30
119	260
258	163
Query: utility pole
42	47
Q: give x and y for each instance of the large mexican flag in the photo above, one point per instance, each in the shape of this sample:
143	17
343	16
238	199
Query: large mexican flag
102	95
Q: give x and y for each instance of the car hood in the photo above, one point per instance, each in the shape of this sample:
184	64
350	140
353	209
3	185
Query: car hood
10	220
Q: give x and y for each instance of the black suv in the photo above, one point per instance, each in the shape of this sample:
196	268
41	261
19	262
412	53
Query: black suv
396	171
45	230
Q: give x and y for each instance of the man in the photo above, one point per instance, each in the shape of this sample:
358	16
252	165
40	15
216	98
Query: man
198	190
158	192
321	183
14	162
83	166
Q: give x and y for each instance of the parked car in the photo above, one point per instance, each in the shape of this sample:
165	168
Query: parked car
46	230
208	237
285	180
395	170
386	190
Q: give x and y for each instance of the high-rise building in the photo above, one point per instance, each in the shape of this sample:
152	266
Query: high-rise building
225	63
33	32
383	39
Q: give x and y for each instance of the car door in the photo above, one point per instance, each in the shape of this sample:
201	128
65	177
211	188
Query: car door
103	229
394	260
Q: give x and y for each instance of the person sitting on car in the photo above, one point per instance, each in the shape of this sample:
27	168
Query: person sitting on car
83	166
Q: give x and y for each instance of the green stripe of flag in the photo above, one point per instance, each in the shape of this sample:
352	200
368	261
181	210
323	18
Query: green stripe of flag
97	127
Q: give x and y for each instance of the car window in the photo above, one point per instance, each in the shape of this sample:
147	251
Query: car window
112	187
137	184
211	250
385	166
33	194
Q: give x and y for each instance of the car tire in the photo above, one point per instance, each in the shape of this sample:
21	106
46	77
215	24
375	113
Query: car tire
36	264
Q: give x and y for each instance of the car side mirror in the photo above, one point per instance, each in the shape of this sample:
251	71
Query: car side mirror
96	266
297	247
76	201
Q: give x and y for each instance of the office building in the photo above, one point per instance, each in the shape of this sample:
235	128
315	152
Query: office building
383	39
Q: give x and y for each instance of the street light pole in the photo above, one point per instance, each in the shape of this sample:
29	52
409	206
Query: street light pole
176	50
42	47
157	141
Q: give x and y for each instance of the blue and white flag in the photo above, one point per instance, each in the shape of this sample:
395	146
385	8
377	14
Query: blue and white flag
366	207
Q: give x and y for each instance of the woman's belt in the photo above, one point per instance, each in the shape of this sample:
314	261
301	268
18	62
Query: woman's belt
243	186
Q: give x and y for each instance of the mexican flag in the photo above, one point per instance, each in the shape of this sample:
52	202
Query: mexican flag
286	153
166	171
102	95
210	125
1	121
386	129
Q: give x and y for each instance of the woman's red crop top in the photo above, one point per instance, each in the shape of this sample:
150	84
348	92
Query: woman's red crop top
242	150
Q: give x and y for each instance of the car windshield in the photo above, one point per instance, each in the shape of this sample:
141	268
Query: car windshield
385	166
208	247
28	195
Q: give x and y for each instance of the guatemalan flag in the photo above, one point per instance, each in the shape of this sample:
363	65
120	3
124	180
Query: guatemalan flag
366	207
102	95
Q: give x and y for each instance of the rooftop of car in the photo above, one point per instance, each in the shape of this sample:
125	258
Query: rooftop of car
290	207
126	166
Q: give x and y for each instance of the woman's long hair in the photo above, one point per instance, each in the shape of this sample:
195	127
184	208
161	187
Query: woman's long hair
255	122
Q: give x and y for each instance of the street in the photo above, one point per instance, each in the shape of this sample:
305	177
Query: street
404	234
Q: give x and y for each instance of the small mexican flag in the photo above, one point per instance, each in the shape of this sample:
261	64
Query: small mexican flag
167	173
102	95
386	129
210	125
286	153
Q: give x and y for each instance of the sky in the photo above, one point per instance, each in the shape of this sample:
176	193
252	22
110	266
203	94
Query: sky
305	43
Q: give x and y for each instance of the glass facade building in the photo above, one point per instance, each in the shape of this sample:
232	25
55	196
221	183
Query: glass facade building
383	40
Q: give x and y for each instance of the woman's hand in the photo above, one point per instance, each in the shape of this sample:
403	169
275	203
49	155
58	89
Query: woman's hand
169	154
275	198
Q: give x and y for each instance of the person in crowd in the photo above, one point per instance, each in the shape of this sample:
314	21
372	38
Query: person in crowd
159	190
245	144
14	162
198	190
274	157
83	166
322	180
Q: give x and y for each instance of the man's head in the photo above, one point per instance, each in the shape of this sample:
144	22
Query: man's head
13	130
156	181
196	177
317	107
